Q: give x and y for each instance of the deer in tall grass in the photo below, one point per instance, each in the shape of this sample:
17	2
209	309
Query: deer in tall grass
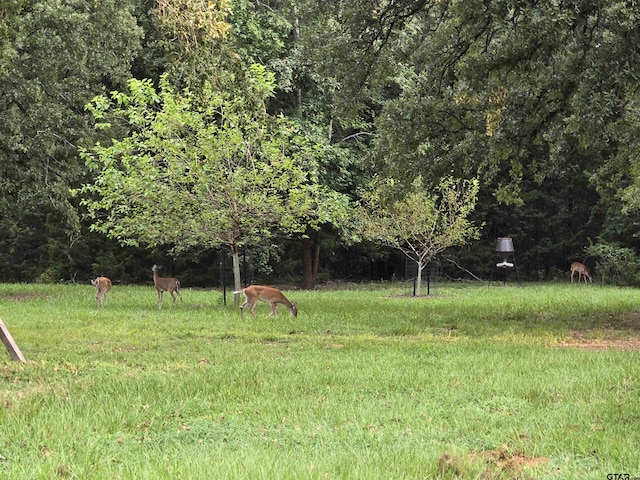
582	271
271	295
165	284
103	285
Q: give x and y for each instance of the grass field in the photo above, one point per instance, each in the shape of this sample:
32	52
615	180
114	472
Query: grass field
475	381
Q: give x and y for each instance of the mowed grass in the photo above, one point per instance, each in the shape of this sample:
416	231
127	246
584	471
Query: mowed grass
475	381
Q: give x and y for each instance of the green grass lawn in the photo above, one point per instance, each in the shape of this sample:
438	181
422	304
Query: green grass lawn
475	381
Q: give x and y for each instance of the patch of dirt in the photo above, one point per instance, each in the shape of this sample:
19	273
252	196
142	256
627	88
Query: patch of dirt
506	462
501	463
514	461
601	340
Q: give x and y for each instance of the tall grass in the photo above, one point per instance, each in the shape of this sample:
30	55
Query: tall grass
471	382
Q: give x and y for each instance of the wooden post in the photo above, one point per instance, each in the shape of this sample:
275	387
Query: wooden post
8	341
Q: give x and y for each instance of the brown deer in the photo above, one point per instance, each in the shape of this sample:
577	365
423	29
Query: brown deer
271	295
582	270
103	285
165	284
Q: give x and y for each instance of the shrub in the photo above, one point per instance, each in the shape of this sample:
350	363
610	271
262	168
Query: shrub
615	264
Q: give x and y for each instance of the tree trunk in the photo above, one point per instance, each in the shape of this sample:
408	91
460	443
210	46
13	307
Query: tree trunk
419	278
237	281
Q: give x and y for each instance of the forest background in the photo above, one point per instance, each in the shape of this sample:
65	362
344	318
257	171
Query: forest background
539	101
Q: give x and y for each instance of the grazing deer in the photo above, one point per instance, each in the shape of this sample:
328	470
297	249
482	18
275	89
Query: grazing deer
103	285
582	270
165	285
271	295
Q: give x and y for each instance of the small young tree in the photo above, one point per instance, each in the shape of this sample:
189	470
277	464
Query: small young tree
418	223
206	170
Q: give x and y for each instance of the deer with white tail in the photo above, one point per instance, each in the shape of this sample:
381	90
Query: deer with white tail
582	271
271	295
165	284
103	285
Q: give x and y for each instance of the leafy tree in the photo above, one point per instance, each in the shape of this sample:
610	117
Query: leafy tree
193	36
308	94
8	15
201	171
521	95
419	224
253	32
55	56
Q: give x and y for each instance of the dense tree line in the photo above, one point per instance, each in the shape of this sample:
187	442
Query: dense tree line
536	100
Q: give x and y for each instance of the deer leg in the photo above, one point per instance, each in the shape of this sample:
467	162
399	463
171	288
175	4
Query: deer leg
246	302
159	298
252	306
173	298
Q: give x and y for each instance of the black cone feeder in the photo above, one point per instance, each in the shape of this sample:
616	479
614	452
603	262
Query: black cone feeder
504	248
